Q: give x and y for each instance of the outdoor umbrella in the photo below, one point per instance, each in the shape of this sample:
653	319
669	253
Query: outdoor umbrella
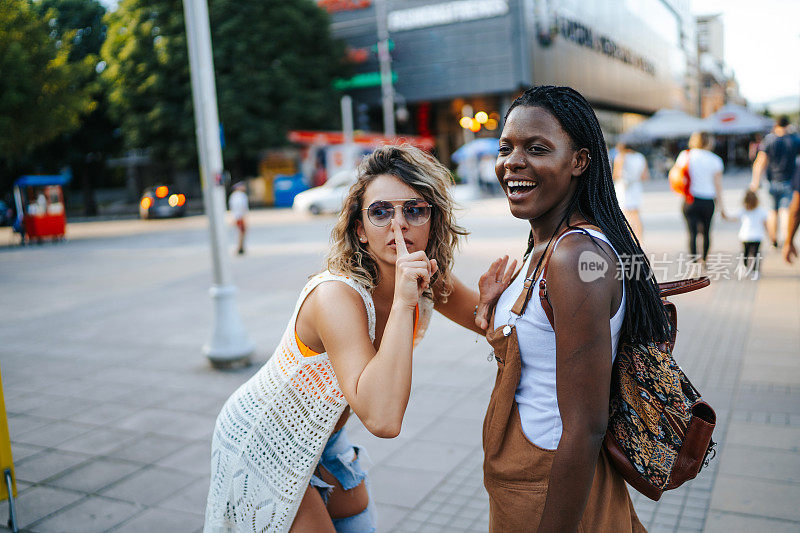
734	119
664	124
477	148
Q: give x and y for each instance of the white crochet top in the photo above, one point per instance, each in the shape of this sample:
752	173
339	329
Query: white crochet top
271	432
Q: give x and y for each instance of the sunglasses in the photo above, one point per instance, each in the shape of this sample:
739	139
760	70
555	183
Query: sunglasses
381	213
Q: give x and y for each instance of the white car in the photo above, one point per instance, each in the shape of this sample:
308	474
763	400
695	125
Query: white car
326	198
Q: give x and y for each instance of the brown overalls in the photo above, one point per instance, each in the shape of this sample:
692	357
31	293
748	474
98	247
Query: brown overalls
516	471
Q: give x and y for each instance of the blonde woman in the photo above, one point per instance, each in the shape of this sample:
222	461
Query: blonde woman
280	458
705	174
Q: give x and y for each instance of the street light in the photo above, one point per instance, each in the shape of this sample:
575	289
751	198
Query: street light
230	344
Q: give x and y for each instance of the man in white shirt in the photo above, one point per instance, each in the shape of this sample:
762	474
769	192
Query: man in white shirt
238	205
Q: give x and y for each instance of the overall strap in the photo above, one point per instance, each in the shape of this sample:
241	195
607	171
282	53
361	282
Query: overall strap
525	296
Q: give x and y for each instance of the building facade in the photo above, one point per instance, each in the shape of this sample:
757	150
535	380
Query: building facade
456	58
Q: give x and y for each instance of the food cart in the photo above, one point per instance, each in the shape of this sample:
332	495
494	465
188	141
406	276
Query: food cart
40	207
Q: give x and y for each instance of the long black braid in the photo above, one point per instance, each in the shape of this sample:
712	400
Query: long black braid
596	200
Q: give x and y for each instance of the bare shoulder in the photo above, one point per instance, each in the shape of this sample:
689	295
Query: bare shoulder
334	296
580	258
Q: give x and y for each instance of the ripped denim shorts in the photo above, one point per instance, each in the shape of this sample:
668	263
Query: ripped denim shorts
343	460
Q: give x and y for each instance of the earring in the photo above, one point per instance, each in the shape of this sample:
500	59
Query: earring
363	239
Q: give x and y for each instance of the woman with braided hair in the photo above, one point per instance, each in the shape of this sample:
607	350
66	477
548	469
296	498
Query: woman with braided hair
555	329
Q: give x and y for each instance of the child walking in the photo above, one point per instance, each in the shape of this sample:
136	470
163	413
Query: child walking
752	231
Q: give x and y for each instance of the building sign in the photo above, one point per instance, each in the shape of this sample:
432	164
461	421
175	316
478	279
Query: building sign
445	13
334	6
583	35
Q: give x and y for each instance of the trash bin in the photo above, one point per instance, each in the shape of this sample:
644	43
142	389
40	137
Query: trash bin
286	188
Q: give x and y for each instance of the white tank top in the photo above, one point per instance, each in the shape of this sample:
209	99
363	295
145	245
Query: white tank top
536	392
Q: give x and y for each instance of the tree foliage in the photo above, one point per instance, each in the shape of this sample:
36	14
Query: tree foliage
85	149
41	91
274	62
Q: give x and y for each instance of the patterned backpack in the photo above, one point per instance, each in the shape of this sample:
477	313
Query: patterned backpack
659	428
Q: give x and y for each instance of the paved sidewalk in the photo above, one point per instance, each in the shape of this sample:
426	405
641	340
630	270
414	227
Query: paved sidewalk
111	406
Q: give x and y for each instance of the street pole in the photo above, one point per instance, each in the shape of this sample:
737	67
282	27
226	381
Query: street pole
387	89
347	131
229	344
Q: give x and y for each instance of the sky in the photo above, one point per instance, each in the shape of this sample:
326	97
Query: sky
762	45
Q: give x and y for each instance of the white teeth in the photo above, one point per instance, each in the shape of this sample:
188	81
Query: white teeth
521	184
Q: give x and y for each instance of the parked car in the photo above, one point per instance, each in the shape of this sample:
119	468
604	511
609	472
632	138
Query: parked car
161	202
326	198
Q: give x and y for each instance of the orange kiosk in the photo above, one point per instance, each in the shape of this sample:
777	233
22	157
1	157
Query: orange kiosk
40	207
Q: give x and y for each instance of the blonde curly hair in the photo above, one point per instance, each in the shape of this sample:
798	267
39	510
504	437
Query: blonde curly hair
423	173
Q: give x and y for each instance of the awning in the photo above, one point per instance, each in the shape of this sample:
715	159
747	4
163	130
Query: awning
664	124
734	119
35	180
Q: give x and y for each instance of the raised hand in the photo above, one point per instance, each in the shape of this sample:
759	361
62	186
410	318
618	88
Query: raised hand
413	271
491	285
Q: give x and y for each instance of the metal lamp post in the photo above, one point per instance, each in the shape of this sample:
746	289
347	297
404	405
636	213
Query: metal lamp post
229	344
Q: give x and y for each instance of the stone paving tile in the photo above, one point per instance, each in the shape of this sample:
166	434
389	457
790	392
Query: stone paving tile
46	464
429	456
764	436
37	502
103	392
170	423
755	497
94	475
191	499
29	401
149	486
104	413
448	429
98	441
21	423
155	520
774	465
401	486
149	448
719	522
193	459
53	434
20	451
95	514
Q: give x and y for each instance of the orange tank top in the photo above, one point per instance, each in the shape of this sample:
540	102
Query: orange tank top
308	352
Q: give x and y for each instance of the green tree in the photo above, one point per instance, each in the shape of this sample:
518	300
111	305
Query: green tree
86	149
41	94
274	61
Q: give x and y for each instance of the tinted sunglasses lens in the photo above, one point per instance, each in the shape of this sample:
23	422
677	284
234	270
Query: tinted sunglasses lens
380	213
417	213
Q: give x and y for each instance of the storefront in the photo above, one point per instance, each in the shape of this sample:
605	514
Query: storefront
452	58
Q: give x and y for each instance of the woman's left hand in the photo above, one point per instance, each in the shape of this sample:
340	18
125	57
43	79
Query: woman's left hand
491	285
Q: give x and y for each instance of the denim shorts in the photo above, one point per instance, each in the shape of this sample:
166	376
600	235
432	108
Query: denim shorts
343	460
781	192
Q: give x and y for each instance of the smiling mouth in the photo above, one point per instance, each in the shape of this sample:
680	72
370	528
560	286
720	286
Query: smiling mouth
519	186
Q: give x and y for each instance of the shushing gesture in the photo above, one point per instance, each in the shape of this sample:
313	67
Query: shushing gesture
413	271
491	285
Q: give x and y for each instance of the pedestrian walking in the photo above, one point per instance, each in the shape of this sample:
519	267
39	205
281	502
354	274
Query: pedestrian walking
777	155
280	456
544	465
629	170
239	206
789	250
752	230
704	169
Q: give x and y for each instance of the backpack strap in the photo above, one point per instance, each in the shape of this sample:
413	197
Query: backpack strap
543	298
522	301
671	288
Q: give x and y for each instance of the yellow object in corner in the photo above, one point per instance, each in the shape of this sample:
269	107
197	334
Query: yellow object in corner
6	460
